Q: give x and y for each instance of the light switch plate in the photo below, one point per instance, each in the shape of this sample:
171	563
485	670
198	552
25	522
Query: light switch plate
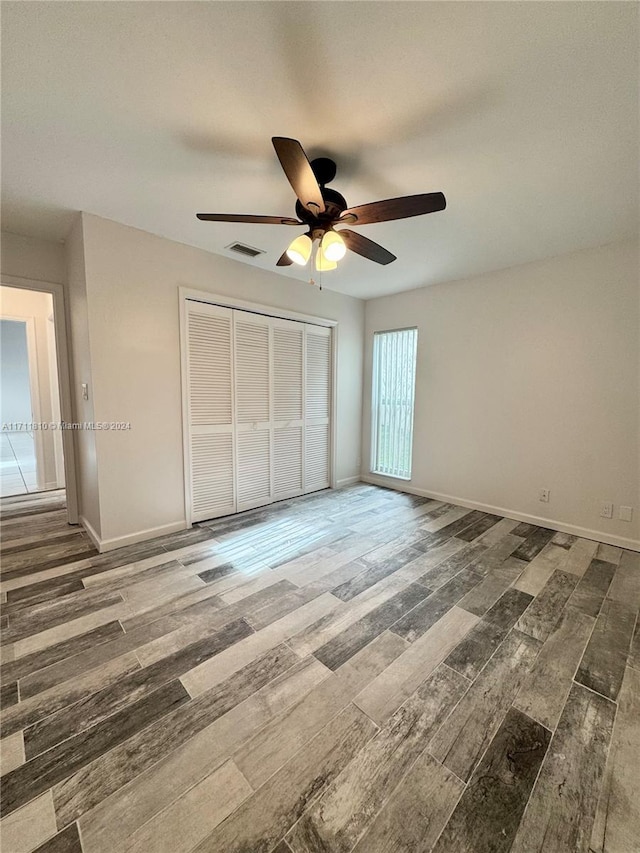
606	511
625	513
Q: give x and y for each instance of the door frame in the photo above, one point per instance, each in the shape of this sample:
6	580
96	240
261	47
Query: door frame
64	379
186	294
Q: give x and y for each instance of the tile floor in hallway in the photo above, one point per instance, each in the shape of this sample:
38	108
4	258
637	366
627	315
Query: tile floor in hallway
17	464
359	670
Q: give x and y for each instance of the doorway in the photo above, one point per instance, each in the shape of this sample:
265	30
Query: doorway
17	448
36	454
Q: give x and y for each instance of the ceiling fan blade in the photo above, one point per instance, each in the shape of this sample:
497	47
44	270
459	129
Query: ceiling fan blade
239	217
284	260
365	247
395	208
298	170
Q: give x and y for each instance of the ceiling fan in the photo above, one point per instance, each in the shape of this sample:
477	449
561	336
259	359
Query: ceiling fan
321	209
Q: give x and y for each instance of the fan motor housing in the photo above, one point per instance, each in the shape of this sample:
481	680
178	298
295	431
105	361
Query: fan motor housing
334	204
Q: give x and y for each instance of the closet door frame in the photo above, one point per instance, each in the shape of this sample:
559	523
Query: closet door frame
186	294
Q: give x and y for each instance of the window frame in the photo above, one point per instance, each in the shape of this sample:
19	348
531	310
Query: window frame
375	407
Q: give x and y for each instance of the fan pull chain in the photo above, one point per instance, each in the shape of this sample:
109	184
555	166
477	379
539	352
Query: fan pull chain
311	278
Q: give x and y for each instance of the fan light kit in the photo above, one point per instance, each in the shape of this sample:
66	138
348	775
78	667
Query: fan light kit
300	250
331	249
324	264
320	209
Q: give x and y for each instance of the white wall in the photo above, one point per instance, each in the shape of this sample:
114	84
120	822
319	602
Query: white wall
37	308
30	257
132	281
81	368
528	378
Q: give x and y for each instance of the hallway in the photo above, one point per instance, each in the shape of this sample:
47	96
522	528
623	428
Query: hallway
17	464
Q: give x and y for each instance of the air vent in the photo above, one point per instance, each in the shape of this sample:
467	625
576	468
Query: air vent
247	251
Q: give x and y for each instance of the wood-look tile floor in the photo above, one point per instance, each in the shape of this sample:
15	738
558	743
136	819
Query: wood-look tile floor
355	670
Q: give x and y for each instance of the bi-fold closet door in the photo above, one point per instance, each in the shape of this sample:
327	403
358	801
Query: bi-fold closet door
258	408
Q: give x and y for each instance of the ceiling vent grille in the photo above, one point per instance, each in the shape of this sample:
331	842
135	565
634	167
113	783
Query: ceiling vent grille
247	251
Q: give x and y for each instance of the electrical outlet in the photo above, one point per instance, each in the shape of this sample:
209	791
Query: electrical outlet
625	513
606	511
544	495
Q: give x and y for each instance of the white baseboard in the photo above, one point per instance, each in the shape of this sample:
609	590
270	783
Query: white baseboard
132	538
48	486
348	481
552	524
91	533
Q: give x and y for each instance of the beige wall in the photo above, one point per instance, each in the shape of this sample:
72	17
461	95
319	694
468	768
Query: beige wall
132	281
528	378
37	308
81	370
30	257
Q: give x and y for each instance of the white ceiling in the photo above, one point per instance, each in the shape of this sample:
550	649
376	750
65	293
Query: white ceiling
524	114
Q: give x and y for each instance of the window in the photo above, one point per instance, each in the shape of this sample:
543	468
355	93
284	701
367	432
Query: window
393	393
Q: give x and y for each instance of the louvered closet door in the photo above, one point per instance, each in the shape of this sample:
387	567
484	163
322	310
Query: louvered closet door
317	408
210	410
288	408
252	336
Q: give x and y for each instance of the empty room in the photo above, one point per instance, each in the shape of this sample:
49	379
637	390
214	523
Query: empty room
320	385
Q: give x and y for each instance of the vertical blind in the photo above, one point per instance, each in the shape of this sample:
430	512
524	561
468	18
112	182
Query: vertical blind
393	394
